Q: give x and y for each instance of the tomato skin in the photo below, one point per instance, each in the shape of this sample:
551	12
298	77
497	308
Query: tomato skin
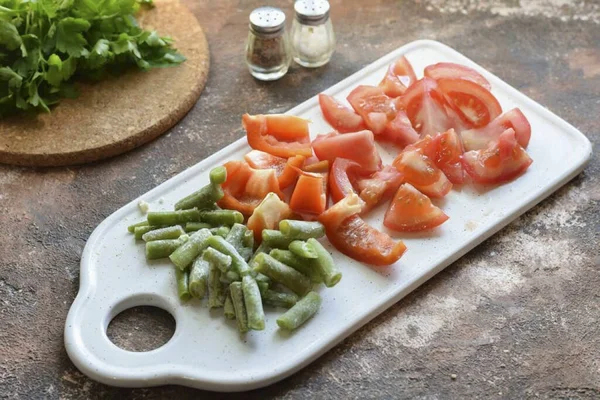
356	146
426	107
267	215
278	134
352	236
400	131
380	185
341	178
340	117
286	175
500	162
310	194
456	71
319	166
373	105
422	173
399	76
445	150
476	105
412	211
476	139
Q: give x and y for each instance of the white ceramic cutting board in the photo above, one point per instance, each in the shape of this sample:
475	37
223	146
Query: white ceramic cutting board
206	351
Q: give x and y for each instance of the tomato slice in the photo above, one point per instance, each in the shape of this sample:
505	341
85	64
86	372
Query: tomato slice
286	175
422	173
400	131
278	134
474	103
342	177
356	146
352	236
456	71
267	215
310	193
445	150
501	161
373	105
340	117
425	106
379	186
400	75
246	187
412	211
319	166
476	139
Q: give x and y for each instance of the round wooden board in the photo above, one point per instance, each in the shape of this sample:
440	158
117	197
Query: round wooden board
119	114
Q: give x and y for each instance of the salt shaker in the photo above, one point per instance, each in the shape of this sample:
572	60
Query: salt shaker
313	40
268	53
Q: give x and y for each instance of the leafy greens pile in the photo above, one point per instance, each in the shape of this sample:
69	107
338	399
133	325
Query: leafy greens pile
46	43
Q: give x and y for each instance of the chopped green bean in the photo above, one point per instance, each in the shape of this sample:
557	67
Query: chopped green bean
218	175
262	278
237	298
262	286
303	249
131	228
170	232
164	248
186	254
302	265
182	284
281	273
215	288
233	276
277	299
199	278
276	239
325	265
302	230
196	226
301	312
238	264
248	239
218	259
235	237
228	309
140	231
222	231
206	197
253	303
222	217
168	218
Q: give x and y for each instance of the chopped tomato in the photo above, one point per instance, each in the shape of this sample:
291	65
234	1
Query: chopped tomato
400	131
319	166
352	236
267	215
426	106
456	71
474	103
286	175
445	150
398	78
278	134
340	117
480	138
310	194
246	187
380	185
374	106
422	173
341	179
356	146
501	161
412	211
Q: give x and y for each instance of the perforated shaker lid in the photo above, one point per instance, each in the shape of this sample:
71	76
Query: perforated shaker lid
312	12
267	20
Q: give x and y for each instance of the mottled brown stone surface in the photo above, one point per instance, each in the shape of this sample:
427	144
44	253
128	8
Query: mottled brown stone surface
518	317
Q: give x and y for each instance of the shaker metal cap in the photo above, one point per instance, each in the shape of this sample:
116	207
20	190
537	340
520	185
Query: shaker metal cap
312	12
267	20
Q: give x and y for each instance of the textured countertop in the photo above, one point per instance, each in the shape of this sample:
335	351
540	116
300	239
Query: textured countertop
518	317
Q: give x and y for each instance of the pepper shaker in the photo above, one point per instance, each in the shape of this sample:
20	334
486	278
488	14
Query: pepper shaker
268	52
313	39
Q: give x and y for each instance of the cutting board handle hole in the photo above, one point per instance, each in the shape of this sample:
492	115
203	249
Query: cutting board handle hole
141	328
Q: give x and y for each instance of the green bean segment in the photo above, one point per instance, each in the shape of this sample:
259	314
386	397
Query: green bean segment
140	231
238	264
277	299
218	259
131	228
262	287
198	283
222	217
187	253
168	218
182	284
325	264
222	231
302	230
253	303
276	239
248	239
301	312
305	266
283	274
228	309
164	248
237	298
196	226
303	249
216	294
206	197
170	232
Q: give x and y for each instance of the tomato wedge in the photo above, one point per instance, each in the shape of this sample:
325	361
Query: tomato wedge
246	187
379	186
412	211
476	139
267	215
352	236
445	150
400	131
340	117
374	106
319	166
310	193
422	173
278	134
286	174
475	104
400	75
426	106
501	161
356	146
342	177
456	71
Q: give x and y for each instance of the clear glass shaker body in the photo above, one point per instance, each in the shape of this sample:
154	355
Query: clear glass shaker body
268	56
313	45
